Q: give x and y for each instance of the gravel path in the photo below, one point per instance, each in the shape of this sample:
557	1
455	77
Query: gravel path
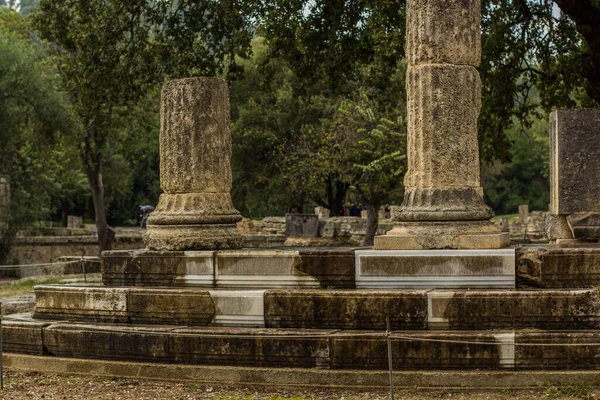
32	386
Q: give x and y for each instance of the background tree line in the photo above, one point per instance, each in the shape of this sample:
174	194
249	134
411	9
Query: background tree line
317	96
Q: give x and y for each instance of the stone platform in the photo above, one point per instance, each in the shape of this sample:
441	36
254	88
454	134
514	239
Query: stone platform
305	308
302	348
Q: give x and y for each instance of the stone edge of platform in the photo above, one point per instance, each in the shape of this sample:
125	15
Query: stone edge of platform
299	378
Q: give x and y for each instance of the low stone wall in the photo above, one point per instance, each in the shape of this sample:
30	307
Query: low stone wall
47	249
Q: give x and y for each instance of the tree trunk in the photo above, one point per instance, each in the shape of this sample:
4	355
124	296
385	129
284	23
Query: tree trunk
64	213
586	16
106	235
372	224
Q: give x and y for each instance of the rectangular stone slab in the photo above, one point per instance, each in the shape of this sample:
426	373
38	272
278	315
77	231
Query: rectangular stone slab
555	267
114	342
370	351
253	347
351	309
260	269
21	334
558	357
158	268
124	305
495	309
574	166
239	308
435	269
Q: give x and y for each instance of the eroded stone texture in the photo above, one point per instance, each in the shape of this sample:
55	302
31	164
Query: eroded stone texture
257	347
552	267
345	309
124	305
158	268
443	32
543	309
113	342
574	166
195	211
302	225
21	334
413	269
575	356
442	182
370	352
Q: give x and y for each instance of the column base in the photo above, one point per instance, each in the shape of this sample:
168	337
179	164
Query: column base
193	237
443	235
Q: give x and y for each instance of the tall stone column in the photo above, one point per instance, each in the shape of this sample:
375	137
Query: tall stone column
443	205
195	211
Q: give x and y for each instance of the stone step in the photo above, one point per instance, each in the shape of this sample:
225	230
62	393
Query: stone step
324	309
243	269
304	348
435	269
90	303
558	267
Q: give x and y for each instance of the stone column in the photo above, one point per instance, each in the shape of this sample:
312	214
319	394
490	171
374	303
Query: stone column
443	205
195	211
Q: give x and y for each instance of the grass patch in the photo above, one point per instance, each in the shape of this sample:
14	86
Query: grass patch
575	390
25	286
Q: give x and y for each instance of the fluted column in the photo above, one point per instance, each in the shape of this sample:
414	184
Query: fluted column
443	205
195	211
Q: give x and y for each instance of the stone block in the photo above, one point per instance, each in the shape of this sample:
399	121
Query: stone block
443	32
574	355
112	342
22	334
302	225
256	347
494	309
170	306
362	351
411	269
74	222
335	309
239	308
556	267
449	128
158	268
91	303
586	226
124	305
574	167
260	269
523	214
333	267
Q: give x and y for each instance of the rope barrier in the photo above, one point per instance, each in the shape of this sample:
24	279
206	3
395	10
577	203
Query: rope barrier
23	266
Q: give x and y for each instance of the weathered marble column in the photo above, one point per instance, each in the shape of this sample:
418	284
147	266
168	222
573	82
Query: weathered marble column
195	211
443	205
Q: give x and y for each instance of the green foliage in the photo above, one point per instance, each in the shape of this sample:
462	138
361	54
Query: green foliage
525	180
574	390
35	118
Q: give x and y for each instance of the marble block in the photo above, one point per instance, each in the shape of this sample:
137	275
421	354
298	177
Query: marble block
435	269
261	270
239	308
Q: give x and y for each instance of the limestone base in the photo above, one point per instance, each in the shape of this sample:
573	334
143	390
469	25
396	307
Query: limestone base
193	237
443	235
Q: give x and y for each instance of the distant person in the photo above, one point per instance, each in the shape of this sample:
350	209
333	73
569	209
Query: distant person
345	210
354	211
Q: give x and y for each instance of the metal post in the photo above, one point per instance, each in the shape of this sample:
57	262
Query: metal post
1	364
389	348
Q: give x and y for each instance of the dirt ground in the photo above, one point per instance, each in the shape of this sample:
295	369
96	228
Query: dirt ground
28	386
